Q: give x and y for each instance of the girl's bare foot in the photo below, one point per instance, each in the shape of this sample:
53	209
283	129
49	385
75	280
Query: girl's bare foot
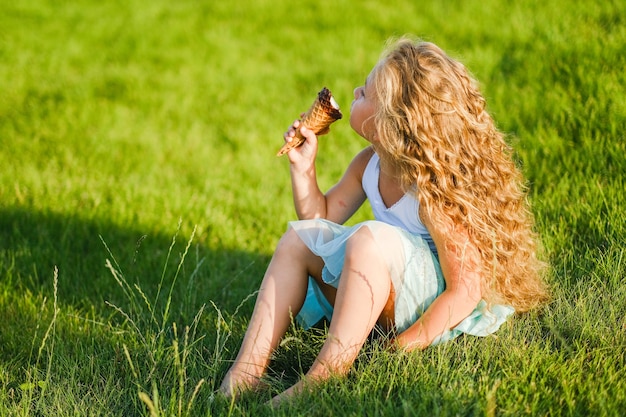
288	393
237	382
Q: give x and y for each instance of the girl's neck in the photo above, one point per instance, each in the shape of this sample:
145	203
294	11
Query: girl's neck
389	184
388	169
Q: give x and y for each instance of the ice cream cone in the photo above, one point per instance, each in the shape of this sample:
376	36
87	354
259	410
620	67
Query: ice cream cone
318	118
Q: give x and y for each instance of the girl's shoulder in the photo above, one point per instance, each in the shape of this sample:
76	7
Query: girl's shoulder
363	157
360	161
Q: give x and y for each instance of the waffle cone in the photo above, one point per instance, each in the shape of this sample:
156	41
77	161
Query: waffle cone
323	112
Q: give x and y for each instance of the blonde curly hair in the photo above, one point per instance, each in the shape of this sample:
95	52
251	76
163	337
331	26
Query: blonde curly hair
432	124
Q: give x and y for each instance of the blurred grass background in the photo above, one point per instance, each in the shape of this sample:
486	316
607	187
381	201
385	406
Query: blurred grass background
153	125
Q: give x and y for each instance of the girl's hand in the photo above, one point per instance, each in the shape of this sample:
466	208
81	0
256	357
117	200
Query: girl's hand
305	154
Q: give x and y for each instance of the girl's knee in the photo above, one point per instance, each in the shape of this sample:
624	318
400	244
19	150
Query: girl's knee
292	246
290	241
362	244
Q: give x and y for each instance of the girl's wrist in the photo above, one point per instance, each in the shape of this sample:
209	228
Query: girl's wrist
303	169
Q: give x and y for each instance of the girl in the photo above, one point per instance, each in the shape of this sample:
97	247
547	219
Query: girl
451	250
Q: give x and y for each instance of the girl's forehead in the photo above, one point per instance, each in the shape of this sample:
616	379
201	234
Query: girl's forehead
374	75
370	82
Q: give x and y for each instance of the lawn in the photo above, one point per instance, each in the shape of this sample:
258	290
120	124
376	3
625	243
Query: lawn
141	200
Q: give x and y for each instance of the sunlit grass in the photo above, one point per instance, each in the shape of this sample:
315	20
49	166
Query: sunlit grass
137	151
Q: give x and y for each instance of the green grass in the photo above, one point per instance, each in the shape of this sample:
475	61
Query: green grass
137	144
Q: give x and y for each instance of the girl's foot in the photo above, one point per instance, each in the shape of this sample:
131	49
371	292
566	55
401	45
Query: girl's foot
288	393
236	383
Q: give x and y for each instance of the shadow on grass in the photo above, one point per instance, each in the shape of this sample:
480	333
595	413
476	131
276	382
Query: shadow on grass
172	313
33	243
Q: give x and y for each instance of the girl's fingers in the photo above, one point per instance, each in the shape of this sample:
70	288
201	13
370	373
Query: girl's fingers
291	132
307	133
295	125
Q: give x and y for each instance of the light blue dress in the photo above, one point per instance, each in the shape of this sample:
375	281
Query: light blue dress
411	256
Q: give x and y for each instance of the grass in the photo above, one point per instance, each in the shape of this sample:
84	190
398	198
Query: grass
140	200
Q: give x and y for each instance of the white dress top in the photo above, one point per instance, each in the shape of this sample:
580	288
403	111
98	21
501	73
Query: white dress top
404	213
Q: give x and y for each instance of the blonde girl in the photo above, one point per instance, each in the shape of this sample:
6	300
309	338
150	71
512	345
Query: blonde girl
451	249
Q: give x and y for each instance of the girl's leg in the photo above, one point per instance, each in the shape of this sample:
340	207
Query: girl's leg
365	291
280	298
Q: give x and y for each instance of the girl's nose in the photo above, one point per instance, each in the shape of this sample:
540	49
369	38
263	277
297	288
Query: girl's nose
356	93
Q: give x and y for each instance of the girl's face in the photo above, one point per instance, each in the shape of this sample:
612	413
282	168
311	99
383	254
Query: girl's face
362	112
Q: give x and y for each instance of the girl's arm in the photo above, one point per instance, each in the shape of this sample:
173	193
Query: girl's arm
460	267
342	200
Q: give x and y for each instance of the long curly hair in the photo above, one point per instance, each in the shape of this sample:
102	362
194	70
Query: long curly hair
432	124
